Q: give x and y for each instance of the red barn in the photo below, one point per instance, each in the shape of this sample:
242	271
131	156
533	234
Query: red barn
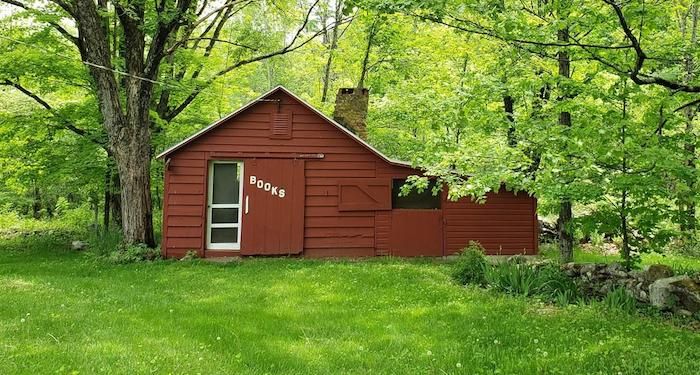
278	177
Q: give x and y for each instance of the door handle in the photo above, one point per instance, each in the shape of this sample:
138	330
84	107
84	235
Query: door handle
246	205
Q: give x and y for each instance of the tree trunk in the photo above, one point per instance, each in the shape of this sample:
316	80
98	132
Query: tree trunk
331	50
626	256
624	225
687	205
566	236
107	197
116	202
134	165
36	205
508	109
371	33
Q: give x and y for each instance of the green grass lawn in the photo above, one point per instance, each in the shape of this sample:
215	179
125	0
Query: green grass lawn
62	312
676	261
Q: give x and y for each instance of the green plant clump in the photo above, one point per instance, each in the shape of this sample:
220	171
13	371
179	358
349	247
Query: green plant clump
531	280
620	299
471	265
133	253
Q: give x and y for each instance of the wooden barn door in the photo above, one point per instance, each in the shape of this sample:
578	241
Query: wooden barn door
273	207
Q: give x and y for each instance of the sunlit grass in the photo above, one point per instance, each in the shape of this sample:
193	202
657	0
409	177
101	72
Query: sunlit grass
61	312
673	260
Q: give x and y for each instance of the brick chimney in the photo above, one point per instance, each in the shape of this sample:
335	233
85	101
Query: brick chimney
351	110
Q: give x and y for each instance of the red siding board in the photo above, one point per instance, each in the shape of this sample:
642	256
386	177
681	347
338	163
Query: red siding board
503	224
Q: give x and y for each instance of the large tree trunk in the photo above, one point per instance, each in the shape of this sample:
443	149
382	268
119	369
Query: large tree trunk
132	153
127	128
135	176
566	236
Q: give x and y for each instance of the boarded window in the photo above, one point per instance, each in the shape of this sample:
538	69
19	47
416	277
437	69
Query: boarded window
416	200
364	194
281	126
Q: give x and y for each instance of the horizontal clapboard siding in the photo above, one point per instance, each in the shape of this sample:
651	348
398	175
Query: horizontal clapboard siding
183	209
505	224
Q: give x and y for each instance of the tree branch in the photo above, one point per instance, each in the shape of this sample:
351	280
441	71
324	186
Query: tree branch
66	124
290	47
635	74
163	32
55	25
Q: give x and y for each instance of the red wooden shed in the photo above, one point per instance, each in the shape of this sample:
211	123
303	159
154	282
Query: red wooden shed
278	177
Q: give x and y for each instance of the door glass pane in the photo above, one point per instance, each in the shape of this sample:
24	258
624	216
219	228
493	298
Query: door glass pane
224	235
226	183
224	215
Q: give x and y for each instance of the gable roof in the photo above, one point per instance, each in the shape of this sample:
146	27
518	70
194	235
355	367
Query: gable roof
329	120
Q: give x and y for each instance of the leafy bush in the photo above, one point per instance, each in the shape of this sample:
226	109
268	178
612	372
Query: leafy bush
619	299
471	265
133	253
529	280
513	278
555	285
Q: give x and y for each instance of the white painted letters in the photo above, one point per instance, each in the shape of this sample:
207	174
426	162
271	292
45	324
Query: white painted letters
267	186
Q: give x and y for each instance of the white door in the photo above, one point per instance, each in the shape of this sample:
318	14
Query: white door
224	205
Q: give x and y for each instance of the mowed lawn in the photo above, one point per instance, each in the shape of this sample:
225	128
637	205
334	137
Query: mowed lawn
62	312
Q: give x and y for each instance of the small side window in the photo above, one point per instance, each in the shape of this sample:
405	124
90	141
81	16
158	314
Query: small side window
415	200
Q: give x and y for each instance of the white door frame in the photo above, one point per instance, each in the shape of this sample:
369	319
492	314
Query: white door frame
210	188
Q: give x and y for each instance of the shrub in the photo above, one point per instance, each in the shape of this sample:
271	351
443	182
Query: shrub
471	265
556	286
513	278
529	280
619	299
133	253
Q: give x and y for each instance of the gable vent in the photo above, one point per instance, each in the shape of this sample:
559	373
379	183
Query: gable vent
281	126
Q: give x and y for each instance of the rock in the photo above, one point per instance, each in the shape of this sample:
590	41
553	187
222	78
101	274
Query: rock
548	231
688	293
679	292
684	312
656	272
612	268
78	245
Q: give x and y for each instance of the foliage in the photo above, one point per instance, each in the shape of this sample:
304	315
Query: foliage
545	281
470	266
126	253
302	316
620	299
